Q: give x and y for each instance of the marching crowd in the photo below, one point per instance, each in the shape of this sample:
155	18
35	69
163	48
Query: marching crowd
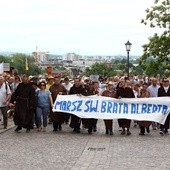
32	98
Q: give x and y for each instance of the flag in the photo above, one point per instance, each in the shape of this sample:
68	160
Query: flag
26	64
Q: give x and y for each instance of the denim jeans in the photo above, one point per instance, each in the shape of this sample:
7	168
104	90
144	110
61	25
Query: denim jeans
42	114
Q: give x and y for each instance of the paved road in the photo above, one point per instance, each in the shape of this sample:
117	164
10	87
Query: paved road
70	151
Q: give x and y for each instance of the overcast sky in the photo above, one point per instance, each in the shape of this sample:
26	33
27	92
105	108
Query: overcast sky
86	27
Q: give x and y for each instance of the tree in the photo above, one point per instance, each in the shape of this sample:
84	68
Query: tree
159	45
18	61
4	59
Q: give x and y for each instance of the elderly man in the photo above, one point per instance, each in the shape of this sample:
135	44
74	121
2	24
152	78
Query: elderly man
5	94
57	89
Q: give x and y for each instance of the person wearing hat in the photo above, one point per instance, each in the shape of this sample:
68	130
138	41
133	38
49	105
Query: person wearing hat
50	82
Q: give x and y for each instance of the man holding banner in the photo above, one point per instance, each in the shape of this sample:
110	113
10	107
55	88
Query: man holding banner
55	89
77	88
125	91
163	91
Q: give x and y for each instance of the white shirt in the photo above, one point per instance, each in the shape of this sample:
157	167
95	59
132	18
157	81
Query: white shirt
153	90
3	94
166	88
67	86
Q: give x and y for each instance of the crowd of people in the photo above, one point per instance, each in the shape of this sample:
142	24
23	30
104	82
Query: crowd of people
32	100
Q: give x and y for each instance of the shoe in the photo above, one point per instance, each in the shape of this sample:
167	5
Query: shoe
27	130
142	134
5	127
76	130
94	129
55	130
40	129
123	133
154	128
161	132
128	133
148	131
111	133
89	131
59	127
44	129
107	131
18	129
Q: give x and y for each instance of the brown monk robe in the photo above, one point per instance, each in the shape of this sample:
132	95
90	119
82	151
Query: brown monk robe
24	96
124	91
109	92
57	117
144	124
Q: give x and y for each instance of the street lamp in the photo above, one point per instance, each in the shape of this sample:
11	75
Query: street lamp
128	47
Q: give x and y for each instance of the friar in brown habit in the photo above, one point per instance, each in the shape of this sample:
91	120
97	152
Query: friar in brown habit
57	117
24	97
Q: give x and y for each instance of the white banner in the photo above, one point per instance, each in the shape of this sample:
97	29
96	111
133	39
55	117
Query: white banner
99	107
1	68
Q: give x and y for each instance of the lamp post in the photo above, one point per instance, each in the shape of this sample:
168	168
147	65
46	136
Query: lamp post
128	47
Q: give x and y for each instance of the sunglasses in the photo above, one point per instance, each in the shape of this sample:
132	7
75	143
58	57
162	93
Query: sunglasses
42	84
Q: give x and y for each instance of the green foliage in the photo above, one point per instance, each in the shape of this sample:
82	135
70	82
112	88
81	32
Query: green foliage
158	15
18	61
59	68
4	59
117	67
159	45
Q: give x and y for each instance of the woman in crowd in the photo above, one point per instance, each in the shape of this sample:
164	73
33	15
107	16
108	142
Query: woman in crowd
144	124
109	92
43	104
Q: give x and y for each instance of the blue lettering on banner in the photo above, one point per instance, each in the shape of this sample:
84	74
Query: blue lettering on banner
154	109
133	108
164	109
110	107
103	107
144	107
87	105
115	106
91	106
120	106
94	106
125	108
149	108
56	104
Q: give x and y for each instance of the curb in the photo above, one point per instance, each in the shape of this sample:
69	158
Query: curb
9	127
